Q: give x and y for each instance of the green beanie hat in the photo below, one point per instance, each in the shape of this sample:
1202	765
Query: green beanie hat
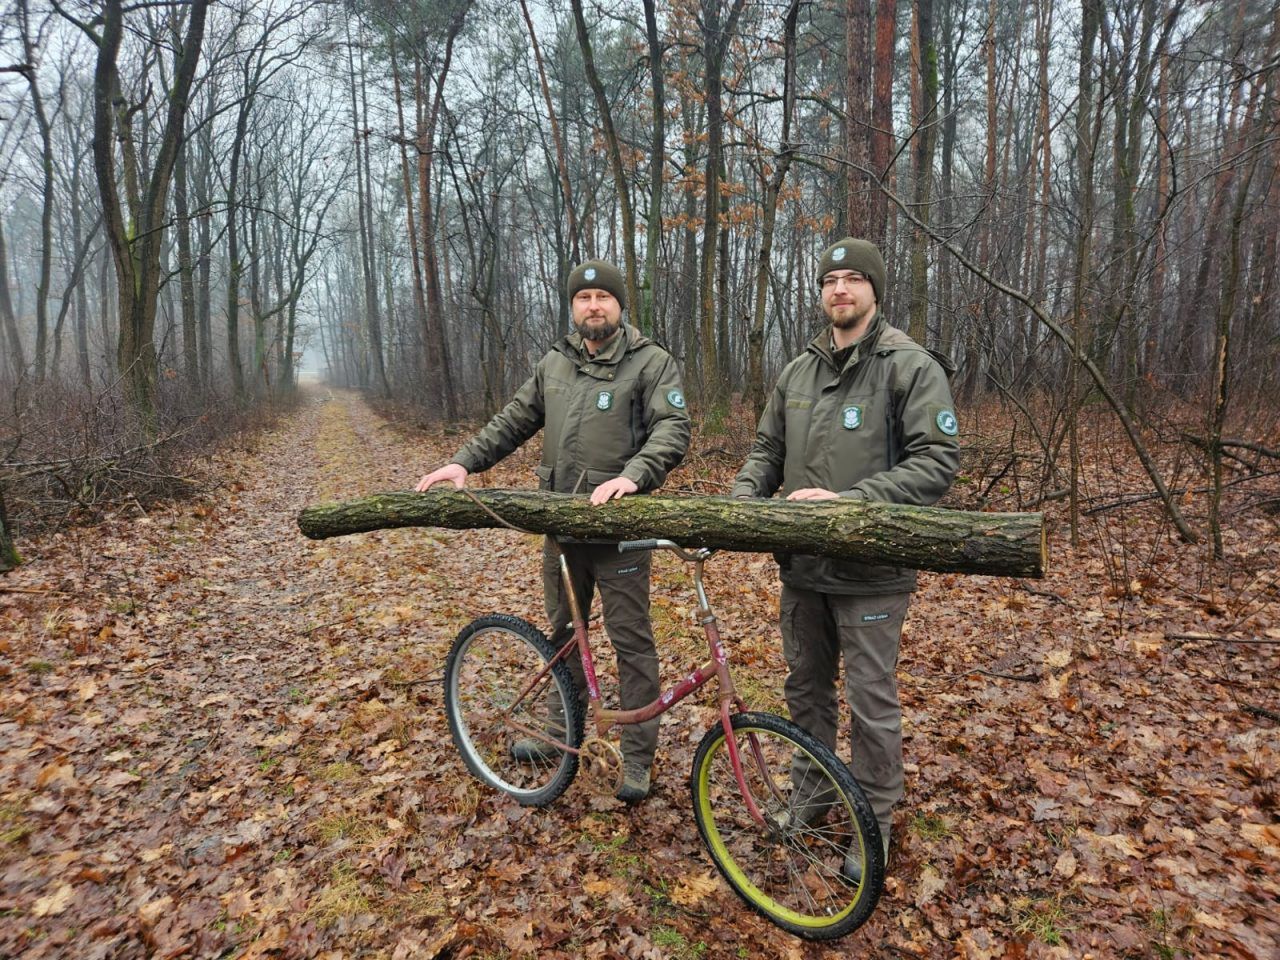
851	254
599	275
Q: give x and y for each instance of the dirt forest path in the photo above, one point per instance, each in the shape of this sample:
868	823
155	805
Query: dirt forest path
220	739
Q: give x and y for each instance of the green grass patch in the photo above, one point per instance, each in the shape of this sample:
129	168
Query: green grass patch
1045	919
930	826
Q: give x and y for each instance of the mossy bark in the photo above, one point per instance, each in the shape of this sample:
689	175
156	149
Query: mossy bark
925	538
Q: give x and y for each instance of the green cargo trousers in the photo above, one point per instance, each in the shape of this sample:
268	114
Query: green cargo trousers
817	628
623	580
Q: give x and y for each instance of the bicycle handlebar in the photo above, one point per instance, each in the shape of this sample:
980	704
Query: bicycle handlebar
700	553
627	546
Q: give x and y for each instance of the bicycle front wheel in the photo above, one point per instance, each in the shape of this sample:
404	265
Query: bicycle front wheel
502	722
798	869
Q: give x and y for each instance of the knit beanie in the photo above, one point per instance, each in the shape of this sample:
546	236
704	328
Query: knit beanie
851	254
599	275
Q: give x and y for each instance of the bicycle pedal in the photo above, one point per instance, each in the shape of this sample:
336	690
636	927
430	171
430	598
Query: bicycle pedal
601	761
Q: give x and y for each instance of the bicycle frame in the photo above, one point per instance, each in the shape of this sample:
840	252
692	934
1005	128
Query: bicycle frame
717	667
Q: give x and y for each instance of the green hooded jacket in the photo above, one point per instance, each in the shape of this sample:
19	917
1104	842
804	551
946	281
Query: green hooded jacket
882	427
619	413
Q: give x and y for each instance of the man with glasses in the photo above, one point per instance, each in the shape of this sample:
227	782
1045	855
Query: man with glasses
864	413
610	403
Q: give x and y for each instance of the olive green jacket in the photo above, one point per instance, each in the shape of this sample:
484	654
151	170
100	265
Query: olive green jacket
881	428
620	413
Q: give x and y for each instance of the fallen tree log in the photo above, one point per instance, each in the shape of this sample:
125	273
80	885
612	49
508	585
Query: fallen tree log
926	538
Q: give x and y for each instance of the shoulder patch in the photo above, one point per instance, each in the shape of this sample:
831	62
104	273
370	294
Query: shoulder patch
947	422
676	399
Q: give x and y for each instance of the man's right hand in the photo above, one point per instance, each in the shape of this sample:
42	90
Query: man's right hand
455	473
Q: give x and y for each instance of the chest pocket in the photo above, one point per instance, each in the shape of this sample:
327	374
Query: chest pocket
611	423
798	416
856	429
556	397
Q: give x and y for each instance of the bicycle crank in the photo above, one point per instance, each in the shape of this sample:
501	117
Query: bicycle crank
601	761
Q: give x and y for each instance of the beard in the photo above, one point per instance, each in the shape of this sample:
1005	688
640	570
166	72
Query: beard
845	316
597	328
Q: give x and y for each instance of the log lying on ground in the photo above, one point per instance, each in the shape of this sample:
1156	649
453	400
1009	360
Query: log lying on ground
926	538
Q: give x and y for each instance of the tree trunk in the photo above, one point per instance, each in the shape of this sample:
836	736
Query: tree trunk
782	161
8	552
12	340
925	538
657	161
882	118
46	199
136	235
620	179
926	137
857	114
715	45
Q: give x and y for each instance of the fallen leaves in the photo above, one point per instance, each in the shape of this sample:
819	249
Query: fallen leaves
251	758
54	903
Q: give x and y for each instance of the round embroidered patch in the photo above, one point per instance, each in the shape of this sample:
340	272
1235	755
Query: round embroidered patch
676	399
948	423
837	254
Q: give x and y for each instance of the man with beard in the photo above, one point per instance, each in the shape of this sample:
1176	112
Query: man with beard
611	405
864	413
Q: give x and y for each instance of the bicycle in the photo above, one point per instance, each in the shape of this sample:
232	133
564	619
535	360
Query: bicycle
782	817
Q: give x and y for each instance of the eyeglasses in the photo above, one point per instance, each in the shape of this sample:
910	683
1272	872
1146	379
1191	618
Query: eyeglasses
832	280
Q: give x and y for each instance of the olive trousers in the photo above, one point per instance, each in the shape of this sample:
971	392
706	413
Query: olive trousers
818	630
623	581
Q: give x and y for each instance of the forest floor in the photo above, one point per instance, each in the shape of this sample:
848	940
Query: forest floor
220	739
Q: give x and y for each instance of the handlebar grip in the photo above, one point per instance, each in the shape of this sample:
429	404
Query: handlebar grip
627	546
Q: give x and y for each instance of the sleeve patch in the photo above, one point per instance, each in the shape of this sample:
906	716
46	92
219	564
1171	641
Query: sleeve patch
945	421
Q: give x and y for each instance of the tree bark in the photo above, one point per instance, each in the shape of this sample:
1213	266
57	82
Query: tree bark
926	538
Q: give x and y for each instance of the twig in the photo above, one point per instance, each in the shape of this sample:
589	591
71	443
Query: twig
1048	594
61	593
1216	638
1143	497
1026	678
1260	712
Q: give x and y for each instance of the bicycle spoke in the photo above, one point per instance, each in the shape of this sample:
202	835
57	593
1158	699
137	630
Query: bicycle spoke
507	724
791	869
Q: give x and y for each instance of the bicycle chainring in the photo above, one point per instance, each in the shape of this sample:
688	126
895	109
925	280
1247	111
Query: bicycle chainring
601	761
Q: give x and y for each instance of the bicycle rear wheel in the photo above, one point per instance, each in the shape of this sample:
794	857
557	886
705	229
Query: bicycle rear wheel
490	664
818	823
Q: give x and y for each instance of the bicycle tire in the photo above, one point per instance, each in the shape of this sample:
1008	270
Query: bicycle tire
490	662
789	871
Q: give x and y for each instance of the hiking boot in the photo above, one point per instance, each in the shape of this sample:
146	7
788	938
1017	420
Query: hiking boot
635	783
533	750
851	869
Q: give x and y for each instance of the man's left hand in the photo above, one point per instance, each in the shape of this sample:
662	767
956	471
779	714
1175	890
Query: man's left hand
813	493
612	490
